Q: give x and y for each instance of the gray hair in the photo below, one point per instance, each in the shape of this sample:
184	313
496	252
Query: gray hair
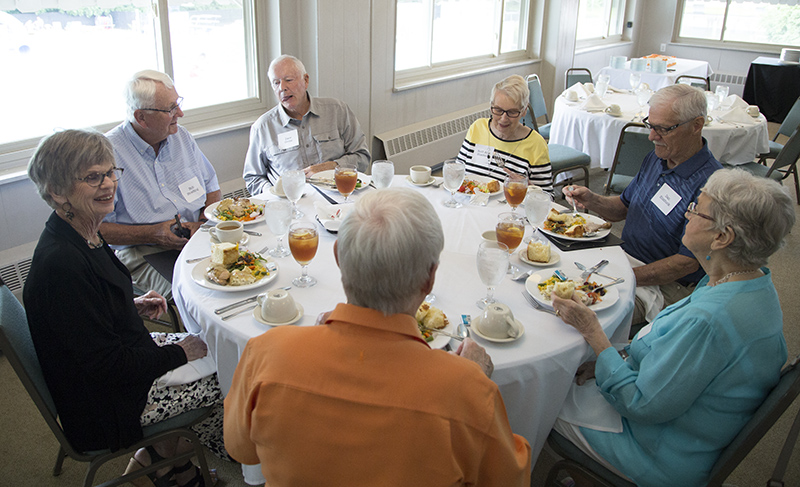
759	210
63	156
514	87
298	64
686	102
387	246
140	92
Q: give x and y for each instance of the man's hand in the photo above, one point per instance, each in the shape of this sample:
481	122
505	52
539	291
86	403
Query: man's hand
165	238
470	350
580	194
192	226
151	304
322	166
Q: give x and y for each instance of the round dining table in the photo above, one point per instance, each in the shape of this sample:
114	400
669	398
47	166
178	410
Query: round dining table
597	133
619	77
533	372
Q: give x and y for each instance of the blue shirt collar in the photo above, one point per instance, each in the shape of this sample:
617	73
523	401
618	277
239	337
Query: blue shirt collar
690	166
139	143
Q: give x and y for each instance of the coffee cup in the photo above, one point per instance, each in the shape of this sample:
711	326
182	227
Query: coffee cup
498	321
570	95
752	110
613	110
489	236
420	174
230	231
277	306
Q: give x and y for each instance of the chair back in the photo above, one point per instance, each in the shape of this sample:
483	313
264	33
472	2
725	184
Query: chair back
536	104
776	403
787	157
578	75
632	147
696	81
792	120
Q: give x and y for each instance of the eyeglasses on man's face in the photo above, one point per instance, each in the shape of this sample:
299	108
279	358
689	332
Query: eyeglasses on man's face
170	110
660	130
692	210
95	179
498	112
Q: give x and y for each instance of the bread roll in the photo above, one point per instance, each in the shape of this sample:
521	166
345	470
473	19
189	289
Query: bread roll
492	186
431	317
225	253
564	289
539	251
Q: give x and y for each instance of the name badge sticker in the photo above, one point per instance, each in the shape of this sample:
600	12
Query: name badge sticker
482	155
665	199
192	190
288	140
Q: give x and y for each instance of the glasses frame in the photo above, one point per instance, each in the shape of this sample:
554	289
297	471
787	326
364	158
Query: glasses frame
499	112
171	111
111	174
662	131
691	209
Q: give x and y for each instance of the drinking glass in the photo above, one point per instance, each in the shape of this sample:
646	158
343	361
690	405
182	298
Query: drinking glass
602	85
642	97
515	186
712	101
346	177
722	93
634	80
303	241
537	205
453	171
278	215
510	230
382	174
492	265
294	182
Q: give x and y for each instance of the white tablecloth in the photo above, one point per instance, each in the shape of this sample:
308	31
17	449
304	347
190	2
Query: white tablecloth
533	373
597	133
620	78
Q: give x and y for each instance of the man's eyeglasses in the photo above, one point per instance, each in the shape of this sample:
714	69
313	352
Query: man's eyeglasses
171	111
95	179
691	209
662	131
498	112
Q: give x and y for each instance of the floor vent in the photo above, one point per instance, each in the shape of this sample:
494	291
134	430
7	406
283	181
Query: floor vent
14	275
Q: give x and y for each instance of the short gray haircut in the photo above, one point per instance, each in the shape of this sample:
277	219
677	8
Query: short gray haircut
387	245
514	87
63	156
759	210
686	102
298	64
140	92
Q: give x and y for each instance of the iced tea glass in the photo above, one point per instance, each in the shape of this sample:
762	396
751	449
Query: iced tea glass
515	187
346	177
303	242
510	230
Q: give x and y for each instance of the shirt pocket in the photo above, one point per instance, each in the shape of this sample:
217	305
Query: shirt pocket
329	145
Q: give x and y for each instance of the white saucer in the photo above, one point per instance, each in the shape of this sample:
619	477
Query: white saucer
430	181
474	329
612	115
257	316
243	241
523	256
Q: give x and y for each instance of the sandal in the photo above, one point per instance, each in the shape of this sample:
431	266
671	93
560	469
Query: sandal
198	480
152	480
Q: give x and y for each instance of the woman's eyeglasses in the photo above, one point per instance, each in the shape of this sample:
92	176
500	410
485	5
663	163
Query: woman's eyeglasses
691	209
95	179
498	112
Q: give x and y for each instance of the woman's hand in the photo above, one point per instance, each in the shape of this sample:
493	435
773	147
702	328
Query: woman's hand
151	304
579	316
193	347
585	372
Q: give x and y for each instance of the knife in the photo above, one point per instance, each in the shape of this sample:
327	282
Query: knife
588	272
603	286
330	200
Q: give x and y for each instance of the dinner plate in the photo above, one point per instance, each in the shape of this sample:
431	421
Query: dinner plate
330	225
242	241
531	285
482	180
441	341
324	179
430	181
257	316
602	233
555	258
199	276
474	329
211	212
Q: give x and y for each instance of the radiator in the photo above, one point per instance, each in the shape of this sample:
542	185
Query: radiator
733	81
14	275
429	142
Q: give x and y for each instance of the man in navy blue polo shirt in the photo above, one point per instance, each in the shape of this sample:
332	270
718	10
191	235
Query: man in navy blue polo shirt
654	204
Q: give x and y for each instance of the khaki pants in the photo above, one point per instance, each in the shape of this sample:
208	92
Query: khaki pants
672	293
144	276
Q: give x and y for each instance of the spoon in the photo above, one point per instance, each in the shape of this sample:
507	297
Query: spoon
462	330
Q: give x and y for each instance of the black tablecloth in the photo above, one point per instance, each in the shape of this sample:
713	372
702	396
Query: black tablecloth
773	86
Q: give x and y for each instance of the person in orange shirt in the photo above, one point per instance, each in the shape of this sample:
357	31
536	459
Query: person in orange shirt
362	399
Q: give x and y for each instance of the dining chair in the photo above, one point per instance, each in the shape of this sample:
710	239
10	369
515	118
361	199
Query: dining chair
784	165
537	107
632	147
578	75
17	345
575	462
788	126
696	81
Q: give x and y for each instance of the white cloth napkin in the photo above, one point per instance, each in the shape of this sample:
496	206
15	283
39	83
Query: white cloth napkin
581	90
480	199
188	372
585	406
733	101
614	89
737	115
650	295
594	104
327	211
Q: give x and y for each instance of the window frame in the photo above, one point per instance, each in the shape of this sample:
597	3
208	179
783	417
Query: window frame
200	122
624	35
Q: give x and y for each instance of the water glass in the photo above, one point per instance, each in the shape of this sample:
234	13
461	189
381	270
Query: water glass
537	206
278	215
294	183
303	242
601	87
454	172
382	174
722	93
634	80
642	97
492	263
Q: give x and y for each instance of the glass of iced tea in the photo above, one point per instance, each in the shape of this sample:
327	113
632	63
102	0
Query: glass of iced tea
510	230
346	177
303	242
515	187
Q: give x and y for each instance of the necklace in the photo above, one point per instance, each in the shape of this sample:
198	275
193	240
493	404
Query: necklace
96	245
735	273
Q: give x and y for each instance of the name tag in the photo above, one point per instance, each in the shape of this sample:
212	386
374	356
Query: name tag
482	155
287	140
665	199
192	190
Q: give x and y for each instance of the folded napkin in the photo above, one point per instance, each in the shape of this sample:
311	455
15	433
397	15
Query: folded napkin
585	406
327	211
733	101
594	104
188	372
737	115
479	199
613	89
581	90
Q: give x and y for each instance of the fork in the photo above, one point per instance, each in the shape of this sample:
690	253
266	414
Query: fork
536	305
433	330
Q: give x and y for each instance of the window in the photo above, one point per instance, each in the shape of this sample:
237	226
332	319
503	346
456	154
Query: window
600	22
70	65
740	22
434	38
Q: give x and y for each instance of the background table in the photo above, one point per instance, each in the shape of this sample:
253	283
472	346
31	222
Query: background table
620	77
772	85
597	133
533	373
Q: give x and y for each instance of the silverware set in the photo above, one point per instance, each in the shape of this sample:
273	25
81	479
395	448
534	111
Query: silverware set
239	304
536	304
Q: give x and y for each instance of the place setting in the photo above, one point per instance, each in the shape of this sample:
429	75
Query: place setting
565	282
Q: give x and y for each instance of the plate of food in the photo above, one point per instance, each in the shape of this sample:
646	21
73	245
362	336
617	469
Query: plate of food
324	179
245	210
571	227
474	183
540	285
538	253
231	269
434	318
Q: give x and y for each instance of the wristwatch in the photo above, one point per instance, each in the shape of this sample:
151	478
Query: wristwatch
623	354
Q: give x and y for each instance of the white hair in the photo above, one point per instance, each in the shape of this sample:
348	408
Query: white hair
686	102
298	64
514	87
140	92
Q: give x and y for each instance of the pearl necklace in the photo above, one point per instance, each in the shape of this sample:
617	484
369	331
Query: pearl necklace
96	245
735	273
